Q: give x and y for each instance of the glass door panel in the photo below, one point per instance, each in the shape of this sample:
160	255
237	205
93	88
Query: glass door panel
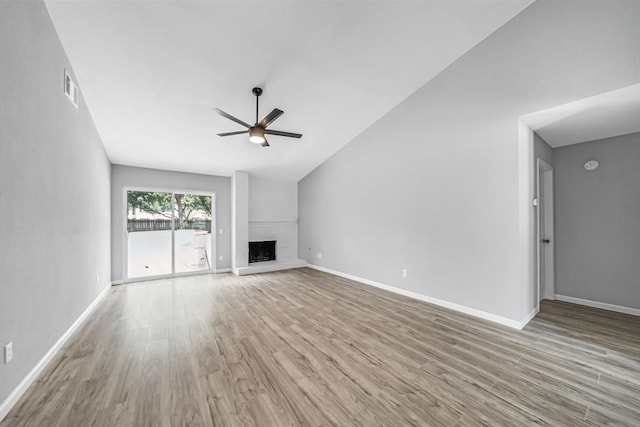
149	234
192	215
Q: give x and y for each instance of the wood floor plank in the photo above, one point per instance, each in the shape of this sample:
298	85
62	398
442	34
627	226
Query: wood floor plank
302	347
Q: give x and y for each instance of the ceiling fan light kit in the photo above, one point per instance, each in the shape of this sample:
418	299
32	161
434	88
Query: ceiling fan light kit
256	135
259	129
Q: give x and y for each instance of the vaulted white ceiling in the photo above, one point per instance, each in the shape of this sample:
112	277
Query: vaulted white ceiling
151	71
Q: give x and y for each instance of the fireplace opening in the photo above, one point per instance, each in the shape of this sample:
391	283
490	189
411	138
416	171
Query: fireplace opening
262	251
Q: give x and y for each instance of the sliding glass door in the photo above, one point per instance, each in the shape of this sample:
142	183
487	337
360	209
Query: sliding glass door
192	232
149	232
168	233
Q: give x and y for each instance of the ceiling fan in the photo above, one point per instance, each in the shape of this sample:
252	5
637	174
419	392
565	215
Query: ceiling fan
258	131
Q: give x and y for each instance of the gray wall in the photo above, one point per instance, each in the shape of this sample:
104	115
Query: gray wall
433	185
598	221
54	199
126	176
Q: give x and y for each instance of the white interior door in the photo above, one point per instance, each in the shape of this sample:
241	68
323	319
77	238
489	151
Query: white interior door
545	231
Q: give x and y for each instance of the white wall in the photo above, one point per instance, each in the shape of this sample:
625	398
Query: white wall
598	221
54	198
239	220
273	215
127	176
434	186
272	200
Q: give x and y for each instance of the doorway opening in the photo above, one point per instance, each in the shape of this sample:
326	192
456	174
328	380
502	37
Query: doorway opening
545	231
168	233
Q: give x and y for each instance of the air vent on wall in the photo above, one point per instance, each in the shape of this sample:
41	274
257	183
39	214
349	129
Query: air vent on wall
70	89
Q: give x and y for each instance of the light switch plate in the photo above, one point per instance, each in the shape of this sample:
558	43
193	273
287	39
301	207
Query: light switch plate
8	352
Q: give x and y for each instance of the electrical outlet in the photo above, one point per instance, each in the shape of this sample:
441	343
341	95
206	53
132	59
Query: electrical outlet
319	255
404	272
97	277
8	352
220	257
220	231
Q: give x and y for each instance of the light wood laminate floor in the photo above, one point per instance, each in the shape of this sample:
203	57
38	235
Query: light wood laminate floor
303	347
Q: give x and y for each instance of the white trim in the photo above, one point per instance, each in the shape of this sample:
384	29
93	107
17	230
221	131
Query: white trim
177	275
269	266
442	303
164	276
277	222
165	190
539	165
17	393
601	305
529	316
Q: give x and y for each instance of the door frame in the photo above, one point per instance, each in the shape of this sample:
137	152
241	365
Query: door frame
125	240
545	269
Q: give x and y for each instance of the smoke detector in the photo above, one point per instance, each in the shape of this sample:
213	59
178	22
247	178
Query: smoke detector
591	165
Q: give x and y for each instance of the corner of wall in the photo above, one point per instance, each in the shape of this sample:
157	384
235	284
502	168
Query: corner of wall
526	239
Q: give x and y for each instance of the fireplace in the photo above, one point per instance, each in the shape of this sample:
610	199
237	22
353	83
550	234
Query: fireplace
262	251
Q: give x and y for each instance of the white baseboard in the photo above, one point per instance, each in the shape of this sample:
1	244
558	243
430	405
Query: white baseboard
442	303
223	270
529	316
17	393
602	305
267	267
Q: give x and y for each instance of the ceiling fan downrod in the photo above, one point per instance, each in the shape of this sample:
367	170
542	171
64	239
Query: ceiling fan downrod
257	92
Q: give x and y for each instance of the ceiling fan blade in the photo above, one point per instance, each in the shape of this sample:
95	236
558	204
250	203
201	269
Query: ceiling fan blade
230	117
240	132
265	143
270	118
281	133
